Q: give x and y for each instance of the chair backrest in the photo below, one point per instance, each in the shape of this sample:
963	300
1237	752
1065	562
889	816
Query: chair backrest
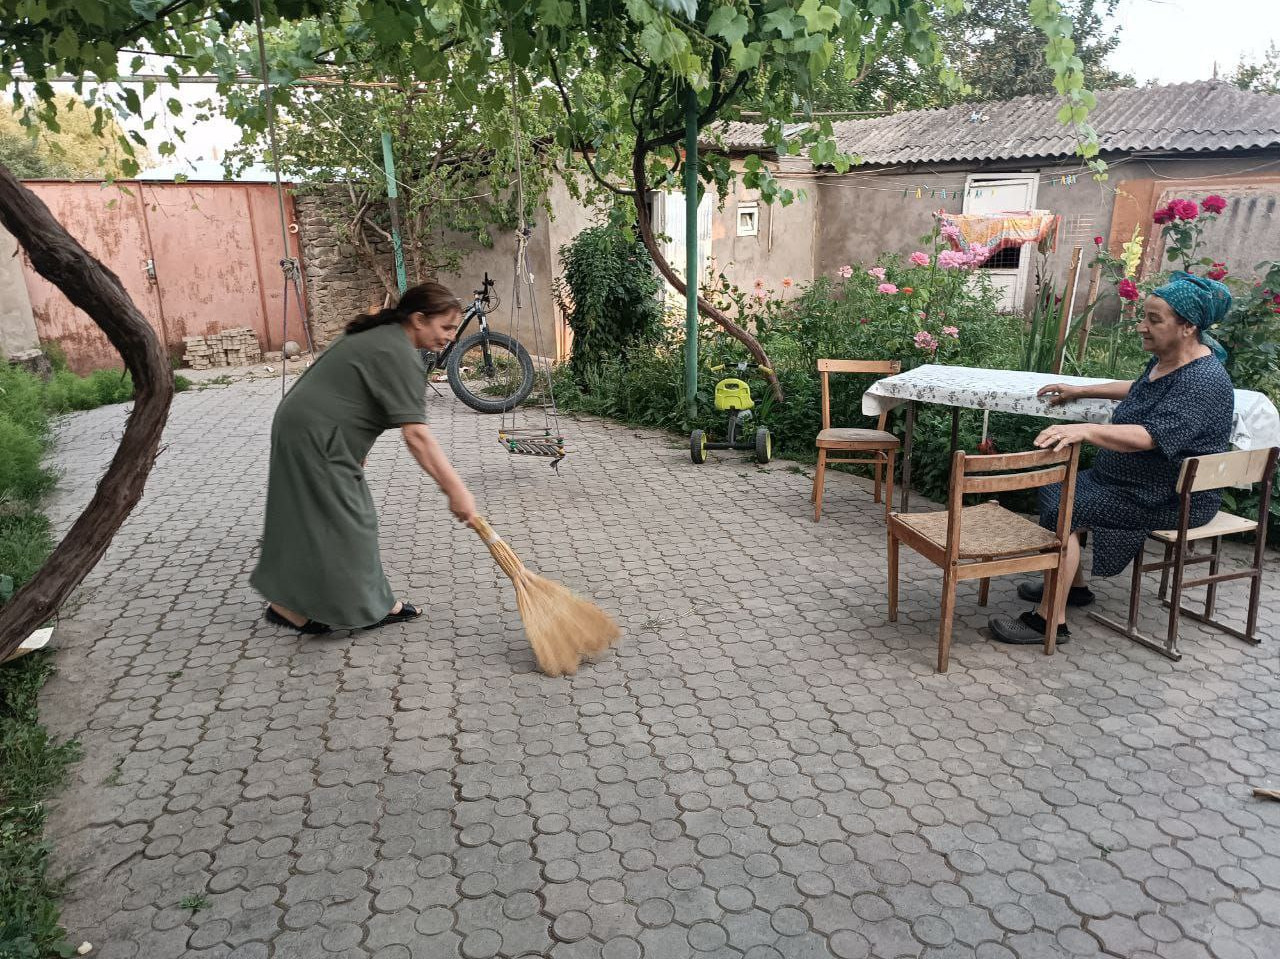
1219	470
1003	472
827	367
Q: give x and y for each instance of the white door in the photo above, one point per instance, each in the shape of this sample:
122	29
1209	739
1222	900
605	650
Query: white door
673	226
1005	193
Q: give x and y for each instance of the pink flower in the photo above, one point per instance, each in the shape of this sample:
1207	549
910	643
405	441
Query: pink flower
1184	209
845	272
1164	215
951	331
1128	290
877	272
1214	204
952	260
864	321
920	258
787	282
924	340
1097	241
761	295
886	288
759	283
979	254
1217	271
950	231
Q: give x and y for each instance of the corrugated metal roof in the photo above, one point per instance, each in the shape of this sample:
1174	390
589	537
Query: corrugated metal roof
1179	118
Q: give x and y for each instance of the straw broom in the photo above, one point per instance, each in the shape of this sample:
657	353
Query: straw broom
562	628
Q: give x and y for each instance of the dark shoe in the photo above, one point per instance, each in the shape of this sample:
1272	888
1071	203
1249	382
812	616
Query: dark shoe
1033	592
1027	630
310	627
407	612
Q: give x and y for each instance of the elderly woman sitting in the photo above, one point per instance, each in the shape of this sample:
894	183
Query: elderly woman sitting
1181	406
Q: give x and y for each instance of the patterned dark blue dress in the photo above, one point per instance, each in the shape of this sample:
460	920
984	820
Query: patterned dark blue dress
1124	496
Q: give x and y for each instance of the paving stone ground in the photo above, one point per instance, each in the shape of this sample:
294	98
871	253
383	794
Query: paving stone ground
766	768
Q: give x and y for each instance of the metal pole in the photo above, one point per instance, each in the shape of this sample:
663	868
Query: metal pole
691	248
389	163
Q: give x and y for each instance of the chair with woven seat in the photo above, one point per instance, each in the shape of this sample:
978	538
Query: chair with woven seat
879	446
1216	471
986	540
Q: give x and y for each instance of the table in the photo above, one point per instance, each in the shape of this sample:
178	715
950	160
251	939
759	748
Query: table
1256	424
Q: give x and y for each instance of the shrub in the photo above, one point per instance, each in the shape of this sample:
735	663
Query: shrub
610	294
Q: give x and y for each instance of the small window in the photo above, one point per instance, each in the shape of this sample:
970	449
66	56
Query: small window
748	220
1006	259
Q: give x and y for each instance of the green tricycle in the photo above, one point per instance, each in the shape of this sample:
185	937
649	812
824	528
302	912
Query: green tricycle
733	396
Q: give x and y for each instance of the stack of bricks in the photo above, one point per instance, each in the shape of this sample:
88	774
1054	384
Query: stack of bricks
238	347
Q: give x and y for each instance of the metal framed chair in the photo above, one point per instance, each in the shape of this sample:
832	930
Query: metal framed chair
1216	471
882	446
978	542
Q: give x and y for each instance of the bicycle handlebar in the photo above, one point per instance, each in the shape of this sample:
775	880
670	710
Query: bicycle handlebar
485	285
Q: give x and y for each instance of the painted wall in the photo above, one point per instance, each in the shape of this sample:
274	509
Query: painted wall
17	325
863	214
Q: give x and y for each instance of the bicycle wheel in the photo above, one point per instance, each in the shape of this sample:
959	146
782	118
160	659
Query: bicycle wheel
490	372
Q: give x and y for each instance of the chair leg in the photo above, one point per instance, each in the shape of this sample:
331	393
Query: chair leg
1164	573
948	613
888	482
1175	603
1052	607
893	577
1211	591
1135	587
878	468
984	590
818	479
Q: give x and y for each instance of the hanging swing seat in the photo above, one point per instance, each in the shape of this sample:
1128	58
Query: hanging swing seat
533	442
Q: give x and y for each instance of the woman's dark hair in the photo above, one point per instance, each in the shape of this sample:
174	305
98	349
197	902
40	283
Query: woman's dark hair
429	299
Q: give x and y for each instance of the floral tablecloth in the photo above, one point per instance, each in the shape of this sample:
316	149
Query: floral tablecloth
1257	424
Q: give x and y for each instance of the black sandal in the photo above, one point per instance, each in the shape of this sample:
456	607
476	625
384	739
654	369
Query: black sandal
407	612
1027	630
310	627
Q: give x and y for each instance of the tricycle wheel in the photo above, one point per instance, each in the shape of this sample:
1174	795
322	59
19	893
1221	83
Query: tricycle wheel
698	446
764	446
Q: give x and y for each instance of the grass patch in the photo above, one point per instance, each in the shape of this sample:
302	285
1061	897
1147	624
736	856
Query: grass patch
194	902
33	765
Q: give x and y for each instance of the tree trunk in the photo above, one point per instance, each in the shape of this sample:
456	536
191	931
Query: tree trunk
97	291
704	307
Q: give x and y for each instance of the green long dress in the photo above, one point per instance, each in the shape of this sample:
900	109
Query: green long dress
320	541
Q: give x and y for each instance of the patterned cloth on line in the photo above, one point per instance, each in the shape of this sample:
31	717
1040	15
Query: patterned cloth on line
1127	495
1000	230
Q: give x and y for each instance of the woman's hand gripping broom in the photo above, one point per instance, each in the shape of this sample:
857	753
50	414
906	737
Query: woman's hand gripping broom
562	628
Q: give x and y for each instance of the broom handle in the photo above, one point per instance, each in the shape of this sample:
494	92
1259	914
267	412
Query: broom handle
485	531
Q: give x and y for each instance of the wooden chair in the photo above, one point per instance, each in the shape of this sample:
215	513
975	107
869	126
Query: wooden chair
881	445
1216	471
978	542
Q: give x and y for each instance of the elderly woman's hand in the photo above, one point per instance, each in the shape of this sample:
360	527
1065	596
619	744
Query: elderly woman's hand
1061	435
1059	393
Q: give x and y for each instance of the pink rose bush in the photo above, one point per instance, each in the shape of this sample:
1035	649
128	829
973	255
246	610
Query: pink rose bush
877	272
926	341
845	272
951	331
887	288
919	258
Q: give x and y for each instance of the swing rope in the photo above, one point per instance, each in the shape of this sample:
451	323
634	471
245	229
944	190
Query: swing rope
289	266
548	441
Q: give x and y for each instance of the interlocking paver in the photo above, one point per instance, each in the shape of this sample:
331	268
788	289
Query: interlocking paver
765	768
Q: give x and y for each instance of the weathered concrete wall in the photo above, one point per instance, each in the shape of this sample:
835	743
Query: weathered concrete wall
17	325
864	214
341	285
784	246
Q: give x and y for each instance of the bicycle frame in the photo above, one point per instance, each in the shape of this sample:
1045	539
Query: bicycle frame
476	311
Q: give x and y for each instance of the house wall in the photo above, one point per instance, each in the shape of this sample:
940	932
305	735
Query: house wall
864	214
17	324
784	246
340	284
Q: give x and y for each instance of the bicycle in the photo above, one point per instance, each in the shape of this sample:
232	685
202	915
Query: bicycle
498	362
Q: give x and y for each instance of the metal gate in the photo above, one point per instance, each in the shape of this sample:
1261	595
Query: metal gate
196	258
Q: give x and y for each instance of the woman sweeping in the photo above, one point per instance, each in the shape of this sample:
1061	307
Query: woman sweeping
1181	406
319	567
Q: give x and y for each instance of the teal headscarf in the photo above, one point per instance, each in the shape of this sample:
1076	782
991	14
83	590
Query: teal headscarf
1200	301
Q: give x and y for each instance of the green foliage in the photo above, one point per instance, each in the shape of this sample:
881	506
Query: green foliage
609	292
1262	77
195	902
32	766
